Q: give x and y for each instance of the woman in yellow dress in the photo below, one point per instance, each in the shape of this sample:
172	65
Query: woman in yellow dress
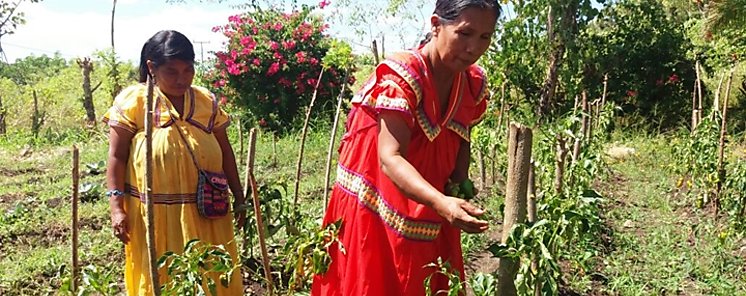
183	115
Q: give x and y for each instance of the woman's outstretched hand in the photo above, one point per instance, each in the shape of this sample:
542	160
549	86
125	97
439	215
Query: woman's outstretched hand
462	214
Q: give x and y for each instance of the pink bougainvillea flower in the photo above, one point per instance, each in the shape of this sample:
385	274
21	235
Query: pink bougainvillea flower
274	46
313	61
223	100
290	44
631	93
673	78
273	69
285	82
277	56
278	26
257	62
324	3
301	56
262	122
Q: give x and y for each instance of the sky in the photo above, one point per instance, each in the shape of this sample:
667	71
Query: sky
77	28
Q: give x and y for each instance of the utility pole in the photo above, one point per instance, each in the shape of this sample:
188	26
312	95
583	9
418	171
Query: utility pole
201	50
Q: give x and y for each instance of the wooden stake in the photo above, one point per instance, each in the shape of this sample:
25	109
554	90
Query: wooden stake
699	92
258	212
532	218
303	144
519	161
240	142
247	249
716	104
374	49
332	140
559	168
150	219
721	146
606	84
76	190
482	169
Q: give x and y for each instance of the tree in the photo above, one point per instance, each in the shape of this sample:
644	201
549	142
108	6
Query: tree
31	69
725	14
10	18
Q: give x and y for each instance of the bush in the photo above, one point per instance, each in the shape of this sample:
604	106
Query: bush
272	63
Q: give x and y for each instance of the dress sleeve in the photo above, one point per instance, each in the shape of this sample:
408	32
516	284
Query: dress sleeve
222	119
128	110
478	83
391	93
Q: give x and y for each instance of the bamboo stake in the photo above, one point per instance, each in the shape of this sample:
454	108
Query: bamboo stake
258	211
721	146
303	143
519	159
694	108
150	219
76	179
332	139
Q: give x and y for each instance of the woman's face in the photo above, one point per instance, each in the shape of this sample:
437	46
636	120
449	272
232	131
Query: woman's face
174	77
460	43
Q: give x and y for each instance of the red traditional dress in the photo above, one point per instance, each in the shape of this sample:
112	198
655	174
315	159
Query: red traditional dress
387	238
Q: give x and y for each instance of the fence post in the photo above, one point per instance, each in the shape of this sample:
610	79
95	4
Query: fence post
519	161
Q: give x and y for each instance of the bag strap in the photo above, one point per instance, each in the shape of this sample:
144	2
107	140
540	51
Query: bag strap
181	134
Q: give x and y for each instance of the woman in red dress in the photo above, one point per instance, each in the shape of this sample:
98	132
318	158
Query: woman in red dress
407	137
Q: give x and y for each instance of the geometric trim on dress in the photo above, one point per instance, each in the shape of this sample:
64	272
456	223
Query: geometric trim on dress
163	198
354	184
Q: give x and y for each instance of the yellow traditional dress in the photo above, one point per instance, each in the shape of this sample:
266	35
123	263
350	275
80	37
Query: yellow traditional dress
177	219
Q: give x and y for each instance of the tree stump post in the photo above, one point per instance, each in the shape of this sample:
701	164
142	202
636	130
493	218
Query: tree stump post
519	161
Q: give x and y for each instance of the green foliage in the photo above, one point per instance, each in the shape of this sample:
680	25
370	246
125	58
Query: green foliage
11	17
699	150
272	64
640	33
190	272
306	254
96	281
444	268
483	284
32	69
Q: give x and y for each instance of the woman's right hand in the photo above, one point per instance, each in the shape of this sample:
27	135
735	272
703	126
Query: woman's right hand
461	214
119	225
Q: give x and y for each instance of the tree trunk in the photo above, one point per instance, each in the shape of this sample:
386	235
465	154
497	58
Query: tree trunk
558	45
90	112
2	117
519	162
374	49
38	118
114	74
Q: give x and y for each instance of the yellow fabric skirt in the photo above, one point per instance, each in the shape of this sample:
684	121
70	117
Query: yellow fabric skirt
177	219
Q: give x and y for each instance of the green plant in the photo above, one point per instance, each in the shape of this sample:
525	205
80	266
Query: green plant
193	270
307	254
483	284
95	168
96	281
444	268
90	191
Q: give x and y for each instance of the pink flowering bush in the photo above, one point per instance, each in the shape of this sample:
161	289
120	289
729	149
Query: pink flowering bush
271	65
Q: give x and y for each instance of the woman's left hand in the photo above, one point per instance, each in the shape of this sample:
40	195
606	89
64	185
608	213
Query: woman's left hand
239	216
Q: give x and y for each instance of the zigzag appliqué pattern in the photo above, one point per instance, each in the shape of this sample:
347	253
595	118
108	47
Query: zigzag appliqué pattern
368	195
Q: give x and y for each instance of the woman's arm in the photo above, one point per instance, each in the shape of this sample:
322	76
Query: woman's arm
119	151
393	141
231	171
461	172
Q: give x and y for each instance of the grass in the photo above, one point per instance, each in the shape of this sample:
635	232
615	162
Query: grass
662	244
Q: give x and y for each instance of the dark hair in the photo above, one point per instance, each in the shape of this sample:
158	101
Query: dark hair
449	10
162	47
